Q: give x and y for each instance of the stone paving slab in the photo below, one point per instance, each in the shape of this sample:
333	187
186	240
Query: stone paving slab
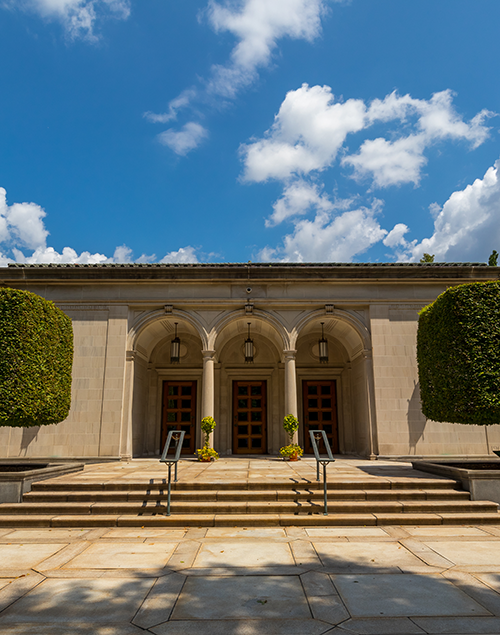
44	535
365	557
448	530
467	553
258	597
243	554
404	595
160	601
379	626
71	628
95	601
459	625
348	532
246	627
123	556
24	556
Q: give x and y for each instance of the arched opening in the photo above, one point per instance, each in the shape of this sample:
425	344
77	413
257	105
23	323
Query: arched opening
335	396
249	402
166	395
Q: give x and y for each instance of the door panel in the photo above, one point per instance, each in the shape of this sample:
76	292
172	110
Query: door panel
179	412
249	417
320	412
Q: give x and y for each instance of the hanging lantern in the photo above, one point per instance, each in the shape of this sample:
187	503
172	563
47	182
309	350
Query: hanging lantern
323	347
249	350
175	348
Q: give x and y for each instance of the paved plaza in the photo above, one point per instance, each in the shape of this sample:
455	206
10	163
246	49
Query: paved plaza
250	580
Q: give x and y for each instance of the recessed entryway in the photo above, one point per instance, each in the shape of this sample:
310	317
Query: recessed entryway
320	411
249	417
179	412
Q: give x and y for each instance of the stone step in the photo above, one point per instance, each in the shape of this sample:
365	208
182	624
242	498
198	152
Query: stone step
298	494
260	485
243	520
248	507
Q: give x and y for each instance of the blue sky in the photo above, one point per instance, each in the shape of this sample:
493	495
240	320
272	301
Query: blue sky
228	131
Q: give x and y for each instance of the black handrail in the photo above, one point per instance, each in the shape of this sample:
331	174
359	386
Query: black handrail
178	436
316	436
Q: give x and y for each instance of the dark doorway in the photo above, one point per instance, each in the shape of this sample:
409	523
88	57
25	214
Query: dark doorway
320	411
249	417
179	412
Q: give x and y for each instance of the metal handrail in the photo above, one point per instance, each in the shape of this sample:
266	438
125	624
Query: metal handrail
316	436
178	436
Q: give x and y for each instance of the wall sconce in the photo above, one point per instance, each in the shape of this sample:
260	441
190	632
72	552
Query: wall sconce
175	348
323	347
249	350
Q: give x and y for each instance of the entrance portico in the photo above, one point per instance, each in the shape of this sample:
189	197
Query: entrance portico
249	400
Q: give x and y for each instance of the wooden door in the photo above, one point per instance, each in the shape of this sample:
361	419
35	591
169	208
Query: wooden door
320	412
179	412
249	417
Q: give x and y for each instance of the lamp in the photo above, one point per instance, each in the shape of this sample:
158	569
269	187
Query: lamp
249	350
175	348
323	347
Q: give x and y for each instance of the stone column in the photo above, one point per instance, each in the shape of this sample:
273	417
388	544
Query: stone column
291	387
208	394
126	431
370	398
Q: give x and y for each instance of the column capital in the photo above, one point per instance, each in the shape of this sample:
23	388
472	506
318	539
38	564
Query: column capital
208	354
290	354
130	356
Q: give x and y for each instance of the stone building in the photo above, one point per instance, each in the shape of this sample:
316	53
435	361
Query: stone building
160	346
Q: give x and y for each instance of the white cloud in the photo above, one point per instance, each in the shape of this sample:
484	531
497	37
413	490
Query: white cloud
122	254
47	255
390	162
311	128
258	25
307	134
439	120
21	223
184	140
77	16
396	236
22	227
174	106
298	199
467	228
185	255
329	238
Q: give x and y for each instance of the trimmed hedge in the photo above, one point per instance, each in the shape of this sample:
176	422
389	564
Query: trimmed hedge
458	354
36	358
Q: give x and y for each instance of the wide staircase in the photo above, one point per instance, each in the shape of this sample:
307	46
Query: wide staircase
143	503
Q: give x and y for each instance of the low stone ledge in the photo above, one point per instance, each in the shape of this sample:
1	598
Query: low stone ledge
13	484
483	484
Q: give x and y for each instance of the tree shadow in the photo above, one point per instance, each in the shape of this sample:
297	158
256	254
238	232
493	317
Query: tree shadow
416	420
28	436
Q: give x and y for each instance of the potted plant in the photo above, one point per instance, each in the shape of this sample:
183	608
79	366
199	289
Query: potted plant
206	453
292	451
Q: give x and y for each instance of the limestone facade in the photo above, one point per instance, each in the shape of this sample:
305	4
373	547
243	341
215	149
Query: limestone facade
127	393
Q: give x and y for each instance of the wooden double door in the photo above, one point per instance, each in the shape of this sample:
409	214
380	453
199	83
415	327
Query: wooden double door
179	412
249	417
319	399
